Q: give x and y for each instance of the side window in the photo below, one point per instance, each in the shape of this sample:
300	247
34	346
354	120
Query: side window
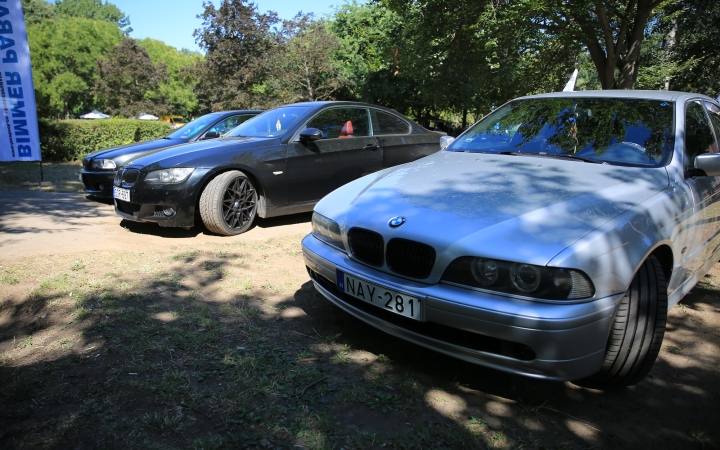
229	123
699	136
385	123
341	123
714	112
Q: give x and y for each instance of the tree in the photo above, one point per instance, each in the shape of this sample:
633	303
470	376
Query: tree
36	11
129	82
237	40
64	55
94	9
178	88
304	70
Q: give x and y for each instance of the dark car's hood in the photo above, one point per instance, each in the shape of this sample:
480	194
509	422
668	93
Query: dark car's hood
507	207
125	152
194	154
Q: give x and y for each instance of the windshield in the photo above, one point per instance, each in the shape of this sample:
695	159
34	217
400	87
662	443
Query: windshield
619	131
272	123
192	128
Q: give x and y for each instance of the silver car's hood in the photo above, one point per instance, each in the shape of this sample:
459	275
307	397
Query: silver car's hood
526	209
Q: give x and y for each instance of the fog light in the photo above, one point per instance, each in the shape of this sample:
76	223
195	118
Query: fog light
169	212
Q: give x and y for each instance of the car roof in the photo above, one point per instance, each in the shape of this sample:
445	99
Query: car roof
341	103
670	96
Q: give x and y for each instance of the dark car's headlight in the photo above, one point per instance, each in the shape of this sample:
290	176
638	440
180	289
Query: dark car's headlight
176	175
327	230
103	164
528	280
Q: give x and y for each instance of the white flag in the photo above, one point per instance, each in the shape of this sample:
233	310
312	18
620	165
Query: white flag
19	137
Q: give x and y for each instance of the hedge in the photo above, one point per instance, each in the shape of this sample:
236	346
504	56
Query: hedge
72	140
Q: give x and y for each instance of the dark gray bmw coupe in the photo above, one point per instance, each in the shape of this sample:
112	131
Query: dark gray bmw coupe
99	167
280	162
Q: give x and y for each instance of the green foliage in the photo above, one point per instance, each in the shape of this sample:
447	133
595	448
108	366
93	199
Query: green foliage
93	9
64	54
129	82
36	11
178	88
72	140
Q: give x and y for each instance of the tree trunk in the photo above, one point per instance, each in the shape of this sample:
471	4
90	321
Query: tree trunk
464	120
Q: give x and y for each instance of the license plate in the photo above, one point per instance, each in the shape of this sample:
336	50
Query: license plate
80	176
382	297
121	194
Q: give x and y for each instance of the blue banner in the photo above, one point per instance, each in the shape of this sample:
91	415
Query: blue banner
19	137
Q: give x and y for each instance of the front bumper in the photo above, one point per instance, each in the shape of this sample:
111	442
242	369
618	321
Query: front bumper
98	184
542	340
148	201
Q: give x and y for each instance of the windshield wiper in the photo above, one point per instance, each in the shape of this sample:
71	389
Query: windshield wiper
551	155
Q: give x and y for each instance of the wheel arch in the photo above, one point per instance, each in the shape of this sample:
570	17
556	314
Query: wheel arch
261	211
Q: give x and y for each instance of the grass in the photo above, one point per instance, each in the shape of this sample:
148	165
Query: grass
62	175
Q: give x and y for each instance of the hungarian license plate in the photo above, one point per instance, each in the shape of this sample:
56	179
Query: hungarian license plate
387	299
121	194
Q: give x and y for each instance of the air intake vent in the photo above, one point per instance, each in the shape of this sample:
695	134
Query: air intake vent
367	246
410	258
126	177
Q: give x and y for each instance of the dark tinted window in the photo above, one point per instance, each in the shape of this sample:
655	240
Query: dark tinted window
714	111
384	123
631	132
341	123
699	136
191	129
229	123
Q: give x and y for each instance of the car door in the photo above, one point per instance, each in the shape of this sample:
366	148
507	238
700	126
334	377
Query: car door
699	139
346	152
398	143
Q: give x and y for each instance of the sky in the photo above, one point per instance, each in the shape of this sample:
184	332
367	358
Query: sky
173	21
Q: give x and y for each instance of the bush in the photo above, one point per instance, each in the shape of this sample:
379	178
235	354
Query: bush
72	140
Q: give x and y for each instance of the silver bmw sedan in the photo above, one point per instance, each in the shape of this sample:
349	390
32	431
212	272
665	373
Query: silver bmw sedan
549	240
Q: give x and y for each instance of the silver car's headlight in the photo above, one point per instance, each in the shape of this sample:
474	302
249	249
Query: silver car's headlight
327	231
103	164
176	175
550	283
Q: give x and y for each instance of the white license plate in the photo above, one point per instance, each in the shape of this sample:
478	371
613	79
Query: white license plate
121	194
387	299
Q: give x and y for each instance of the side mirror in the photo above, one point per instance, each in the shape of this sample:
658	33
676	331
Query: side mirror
311	134
445	141
211	135
708	163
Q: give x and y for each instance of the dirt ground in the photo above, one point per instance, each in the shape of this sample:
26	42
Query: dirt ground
121	335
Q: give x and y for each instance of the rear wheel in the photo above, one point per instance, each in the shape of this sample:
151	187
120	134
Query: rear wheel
228	204
638	329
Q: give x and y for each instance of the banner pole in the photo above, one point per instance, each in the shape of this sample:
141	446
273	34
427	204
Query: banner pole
41	173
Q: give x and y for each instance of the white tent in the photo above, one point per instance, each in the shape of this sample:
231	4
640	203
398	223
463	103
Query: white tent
95	114
145	116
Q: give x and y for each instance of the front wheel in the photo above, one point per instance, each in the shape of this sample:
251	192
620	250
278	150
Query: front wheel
638	329
228	204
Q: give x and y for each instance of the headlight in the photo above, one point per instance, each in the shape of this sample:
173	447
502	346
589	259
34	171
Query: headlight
177	175
104	164
327	230
549	283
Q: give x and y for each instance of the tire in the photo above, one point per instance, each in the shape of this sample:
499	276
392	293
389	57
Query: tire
638	329
228	204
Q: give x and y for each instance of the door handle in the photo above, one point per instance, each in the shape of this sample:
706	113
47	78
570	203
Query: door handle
371	147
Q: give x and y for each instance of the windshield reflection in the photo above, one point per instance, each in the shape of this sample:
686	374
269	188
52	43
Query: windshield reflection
631	132
273	123
192	128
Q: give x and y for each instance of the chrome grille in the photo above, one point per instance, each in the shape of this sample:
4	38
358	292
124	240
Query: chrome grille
126	177
367	246
410	258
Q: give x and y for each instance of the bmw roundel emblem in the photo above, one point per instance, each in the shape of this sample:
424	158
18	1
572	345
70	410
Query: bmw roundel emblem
396	222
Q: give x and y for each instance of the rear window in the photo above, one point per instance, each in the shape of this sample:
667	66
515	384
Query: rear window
633	132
